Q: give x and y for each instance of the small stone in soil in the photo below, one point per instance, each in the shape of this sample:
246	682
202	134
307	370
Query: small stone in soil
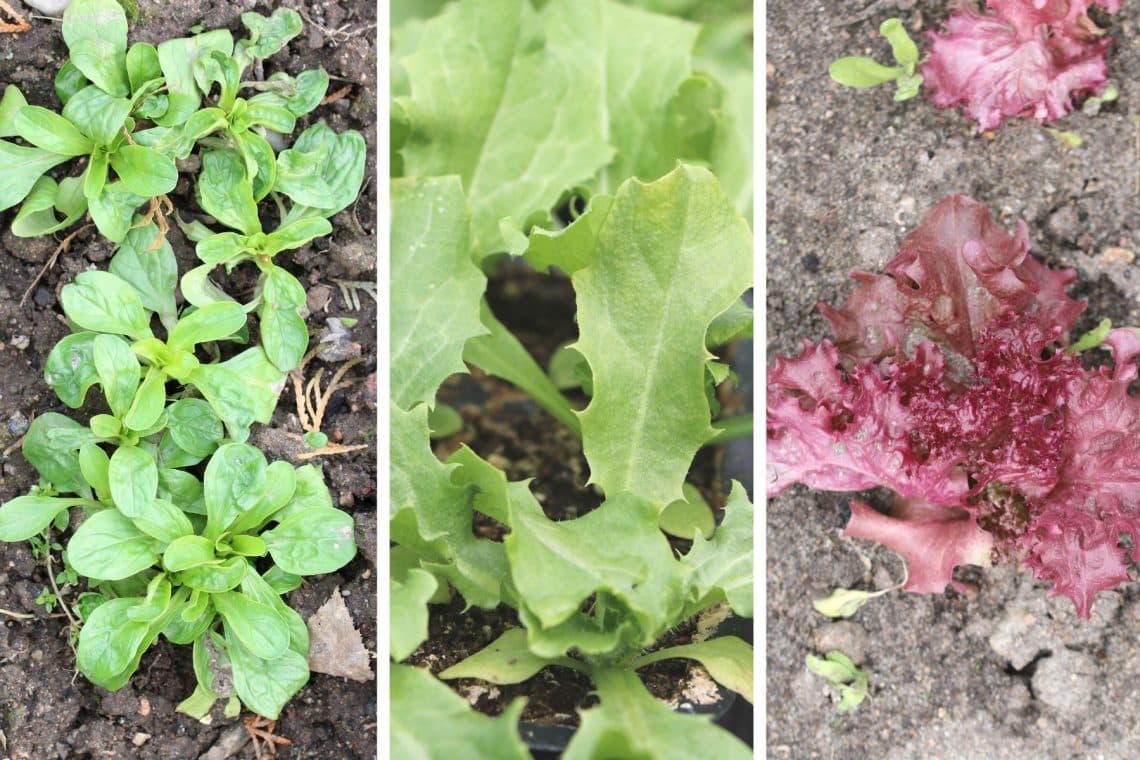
17	424
1065	681
122	702
845	636
355	257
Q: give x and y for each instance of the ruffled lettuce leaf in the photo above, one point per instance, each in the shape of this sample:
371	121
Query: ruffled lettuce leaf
652	270
998	443
953	276
1019	59
492	102
435	304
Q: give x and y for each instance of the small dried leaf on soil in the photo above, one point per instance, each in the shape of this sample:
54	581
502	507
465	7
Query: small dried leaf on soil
336	647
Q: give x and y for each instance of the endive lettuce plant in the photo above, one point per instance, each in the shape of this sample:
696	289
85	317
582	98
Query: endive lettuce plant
659	257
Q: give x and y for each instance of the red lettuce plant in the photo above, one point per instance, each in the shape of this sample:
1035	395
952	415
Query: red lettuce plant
1021	58
949	382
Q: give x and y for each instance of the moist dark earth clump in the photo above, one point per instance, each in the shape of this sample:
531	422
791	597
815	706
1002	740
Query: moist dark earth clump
46	711
1001	671
504	426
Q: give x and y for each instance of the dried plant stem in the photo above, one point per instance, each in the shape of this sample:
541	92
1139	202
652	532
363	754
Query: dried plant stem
160	208
330	450
72	622
18	23
64	245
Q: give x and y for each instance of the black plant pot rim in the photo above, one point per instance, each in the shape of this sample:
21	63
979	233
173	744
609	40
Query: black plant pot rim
546	737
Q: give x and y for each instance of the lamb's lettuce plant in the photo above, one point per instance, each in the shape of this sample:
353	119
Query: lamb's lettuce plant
861	72
188	532
117	349
320	175
659	257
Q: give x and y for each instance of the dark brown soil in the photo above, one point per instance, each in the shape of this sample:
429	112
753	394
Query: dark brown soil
504	426
46	711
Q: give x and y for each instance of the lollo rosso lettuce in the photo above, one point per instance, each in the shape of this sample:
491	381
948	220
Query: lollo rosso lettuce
1020	58
949	381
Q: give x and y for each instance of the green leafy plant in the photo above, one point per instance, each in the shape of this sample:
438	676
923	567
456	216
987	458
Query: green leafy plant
658	256
862	72
320	175
187	531
843	675
117	350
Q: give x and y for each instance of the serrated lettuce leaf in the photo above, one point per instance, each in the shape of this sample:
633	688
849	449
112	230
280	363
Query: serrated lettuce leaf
615	554
669	257
490	103
436	288
421	705
722	565
432	516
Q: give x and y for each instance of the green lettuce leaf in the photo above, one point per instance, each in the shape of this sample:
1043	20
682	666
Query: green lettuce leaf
629	722
96	35
669	257
421	705
408	599
490	104
616	554
728	659
506	660
435	306
432	515
630	65
722	565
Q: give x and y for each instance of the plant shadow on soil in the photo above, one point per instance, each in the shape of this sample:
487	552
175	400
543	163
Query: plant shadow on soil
504	426
45	712
1002	672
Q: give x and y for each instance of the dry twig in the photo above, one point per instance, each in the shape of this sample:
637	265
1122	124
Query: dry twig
18	23
349	288
160	208
64	245
330	449
311	400
342	33
333	97
260	731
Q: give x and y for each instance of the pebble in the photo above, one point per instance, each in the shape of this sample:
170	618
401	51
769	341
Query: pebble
874	247
140	739
20	342
1065	223
845	636
122	702
49	7
1016	639
356	257
1118	255
1065	681
228	744
17	424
